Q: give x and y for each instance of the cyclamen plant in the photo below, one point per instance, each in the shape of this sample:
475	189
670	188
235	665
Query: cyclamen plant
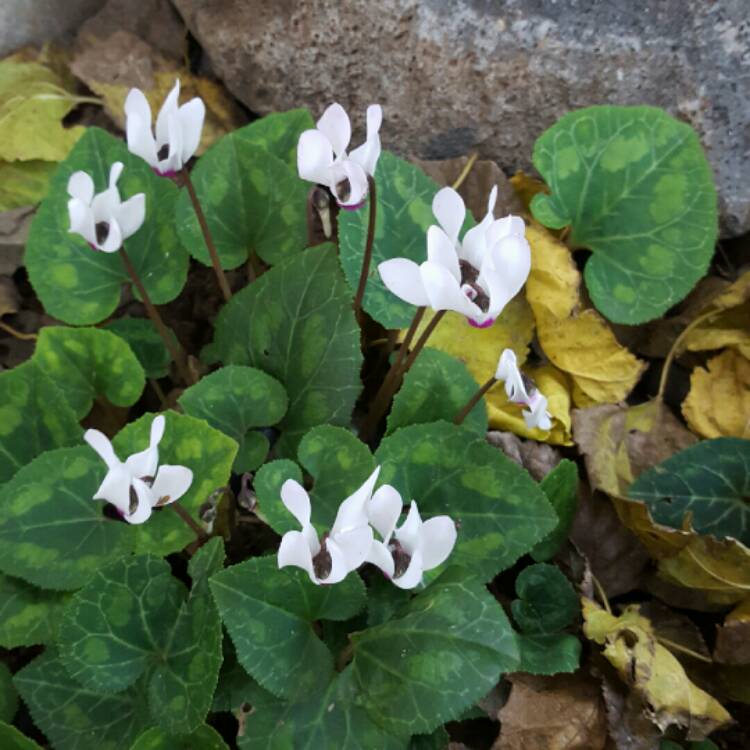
322	471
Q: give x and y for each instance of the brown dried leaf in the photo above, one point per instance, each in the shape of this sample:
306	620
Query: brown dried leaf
8	296
562	712
629	727
733	637
537	458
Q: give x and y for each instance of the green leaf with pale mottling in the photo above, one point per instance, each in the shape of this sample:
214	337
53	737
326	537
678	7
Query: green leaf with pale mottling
236	688
235	399
328	717
252	200
8	694
404	213
74	717
83	286
52	534
28	615
437	387
28	424
89	362
12	739
636	188
499	510
145	342
279	132
436	657
187	442
134	618
267	486
203	738
561	488
709	480
269	614
296	323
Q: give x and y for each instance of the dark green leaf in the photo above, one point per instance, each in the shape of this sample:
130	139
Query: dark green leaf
561	488
636	188
28	615
709	480
187	442
77	718
549	654
89	362
443	652
235	399
8	695
83	286
279	132
34	418
52	533
296	323
252	201
236	689
437	740
203	738
12	739
499	510
145	342
269	614
437	387
267	486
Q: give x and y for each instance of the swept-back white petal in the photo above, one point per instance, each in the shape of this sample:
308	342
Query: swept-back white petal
384	510
354	545
136	105
537	415
412	576
171	483
438	539
82	220
168	110
352	511
408	534
335	126
442	251
508	226
380	556
403	278
474	244
295	551
297	501
491	201
114	174
191	115
444	292
106	204
81	186
357	179
173	162
103	447
508	372
131	214
368	153
141	140
314	157
448	207
339	564
142	511
506	273
115	489
144	463
114	238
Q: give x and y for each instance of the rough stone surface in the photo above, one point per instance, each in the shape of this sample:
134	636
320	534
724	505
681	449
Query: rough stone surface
35	21
454	75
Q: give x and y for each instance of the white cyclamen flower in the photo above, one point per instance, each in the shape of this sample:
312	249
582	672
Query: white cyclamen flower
521	390
332	557
103	220
178	130
322	157
405	553
477	277
136	486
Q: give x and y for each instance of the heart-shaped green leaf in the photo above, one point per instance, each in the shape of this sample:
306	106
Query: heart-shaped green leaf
440	654
237	688
636	188
235	399
709	480
133	618
52	533
12	739
28	615
252	200
561	488
187	442
145	342
86	362
74	717
499	510
34	417
296	323
404	213
203	738
437	387
279	132
8	695
269	614
82	286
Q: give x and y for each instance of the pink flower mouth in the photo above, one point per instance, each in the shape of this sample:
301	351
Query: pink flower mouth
353	206
487	323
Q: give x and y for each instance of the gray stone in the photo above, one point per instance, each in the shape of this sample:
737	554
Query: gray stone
456	75
25	22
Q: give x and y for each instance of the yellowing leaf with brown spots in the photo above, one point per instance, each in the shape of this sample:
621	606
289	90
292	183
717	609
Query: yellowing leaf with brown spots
576	340
631	646
718	404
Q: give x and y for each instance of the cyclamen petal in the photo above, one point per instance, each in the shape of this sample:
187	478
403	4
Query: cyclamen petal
403	278
450	211
334	124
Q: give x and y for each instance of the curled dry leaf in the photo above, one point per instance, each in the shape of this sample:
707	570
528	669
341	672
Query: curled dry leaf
577	341
8	296
733	637
563	712
718	404
537	458
631	646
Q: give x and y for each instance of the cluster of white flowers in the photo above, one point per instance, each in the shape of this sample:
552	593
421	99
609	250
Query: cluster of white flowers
403	554
520	390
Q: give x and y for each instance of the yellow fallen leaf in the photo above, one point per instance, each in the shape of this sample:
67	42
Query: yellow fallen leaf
718	404
24	183
577	341
631	646
527	187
